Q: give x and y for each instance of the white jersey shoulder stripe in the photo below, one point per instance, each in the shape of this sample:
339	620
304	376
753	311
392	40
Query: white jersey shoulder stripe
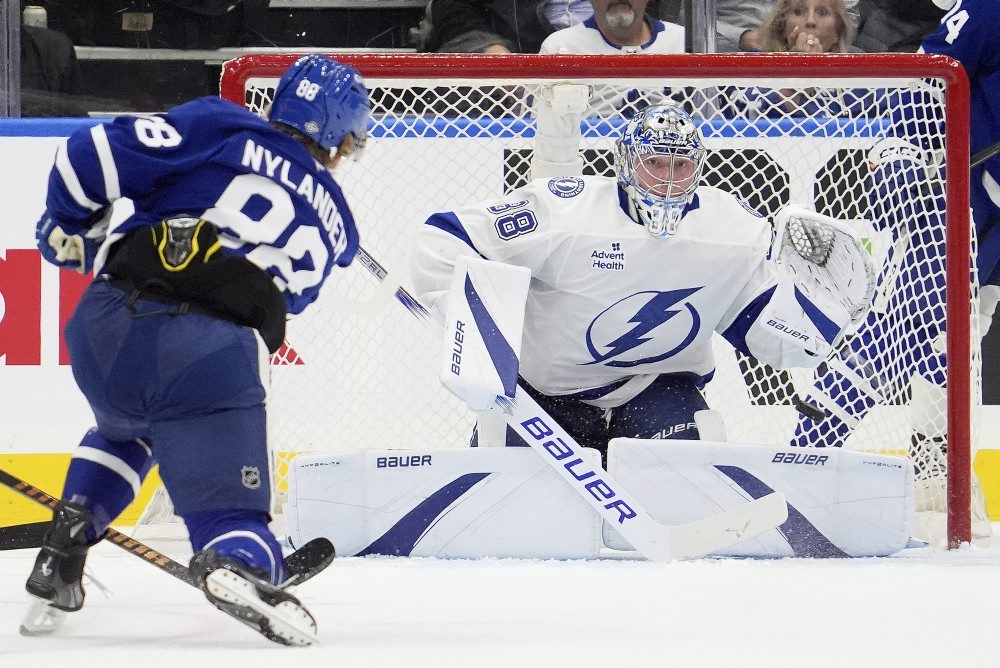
72	181
108	167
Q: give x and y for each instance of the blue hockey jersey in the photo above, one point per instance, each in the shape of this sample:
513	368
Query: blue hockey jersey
968	33
271	201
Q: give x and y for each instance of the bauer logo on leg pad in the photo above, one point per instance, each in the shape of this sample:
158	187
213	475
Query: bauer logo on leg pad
595	485
402	461
799	458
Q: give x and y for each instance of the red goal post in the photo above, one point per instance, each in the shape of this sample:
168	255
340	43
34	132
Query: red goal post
454	129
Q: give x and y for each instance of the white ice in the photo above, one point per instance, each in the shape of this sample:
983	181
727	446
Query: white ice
926	607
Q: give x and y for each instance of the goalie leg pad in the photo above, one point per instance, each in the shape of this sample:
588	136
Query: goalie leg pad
450	503
840	503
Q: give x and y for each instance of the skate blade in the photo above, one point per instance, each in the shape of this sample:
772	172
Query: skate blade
41	618
285	623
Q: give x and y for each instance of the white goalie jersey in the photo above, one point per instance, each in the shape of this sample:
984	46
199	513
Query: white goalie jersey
610	306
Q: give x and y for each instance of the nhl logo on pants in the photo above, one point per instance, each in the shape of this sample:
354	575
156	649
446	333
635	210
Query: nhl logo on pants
251	477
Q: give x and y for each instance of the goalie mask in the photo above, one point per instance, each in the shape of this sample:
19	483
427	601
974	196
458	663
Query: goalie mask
659	159
325	100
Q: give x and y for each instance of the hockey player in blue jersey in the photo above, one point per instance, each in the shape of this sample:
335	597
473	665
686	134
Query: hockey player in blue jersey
899	352
237	223
968	34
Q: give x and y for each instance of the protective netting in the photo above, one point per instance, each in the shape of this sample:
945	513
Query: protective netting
359	371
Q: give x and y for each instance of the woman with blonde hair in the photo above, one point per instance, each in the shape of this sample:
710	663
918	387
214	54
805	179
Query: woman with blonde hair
803	26
807	26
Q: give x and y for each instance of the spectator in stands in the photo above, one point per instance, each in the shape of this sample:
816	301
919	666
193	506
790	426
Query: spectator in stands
164	24
739	22
896	25
495	26
617	27
804	26
807	26
50	74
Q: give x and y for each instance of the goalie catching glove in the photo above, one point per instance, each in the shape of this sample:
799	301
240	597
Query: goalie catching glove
827	260
826	284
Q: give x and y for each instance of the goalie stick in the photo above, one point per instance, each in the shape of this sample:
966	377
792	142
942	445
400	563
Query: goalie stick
652	539
301	565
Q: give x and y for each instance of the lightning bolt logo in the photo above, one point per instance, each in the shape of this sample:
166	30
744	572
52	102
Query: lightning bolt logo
658	309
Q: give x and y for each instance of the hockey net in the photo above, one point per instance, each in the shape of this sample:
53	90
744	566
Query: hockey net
358	371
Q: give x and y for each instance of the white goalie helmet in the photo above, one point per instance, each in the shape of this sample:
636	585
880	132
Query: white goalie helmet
659	159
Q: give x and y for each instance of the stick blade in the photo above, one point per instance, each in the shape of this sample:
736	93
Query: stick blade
309	560
701	537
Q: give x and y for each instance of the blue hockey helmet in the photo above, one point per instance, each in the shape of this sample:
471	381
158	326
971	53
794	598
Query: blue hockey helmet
323	99
659	159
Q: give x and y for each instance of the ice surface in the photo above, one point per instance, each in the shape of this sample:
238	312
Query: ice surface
925	607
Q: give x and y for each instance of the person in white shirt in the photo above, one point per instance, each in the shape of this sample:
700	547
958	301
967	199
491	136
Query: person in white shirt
617	26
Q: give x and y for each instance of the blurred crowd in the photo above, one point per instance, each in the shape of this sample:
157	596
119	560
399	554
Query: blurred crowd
53	85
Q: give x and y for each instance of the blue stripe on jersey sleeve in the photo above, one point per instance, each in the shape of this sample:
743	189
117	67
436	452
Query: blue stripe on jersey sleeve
447	221
736	333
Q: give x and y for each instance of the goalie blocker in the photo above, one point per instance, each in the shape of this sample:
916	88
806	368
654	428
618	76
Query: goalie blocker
482	341
506	502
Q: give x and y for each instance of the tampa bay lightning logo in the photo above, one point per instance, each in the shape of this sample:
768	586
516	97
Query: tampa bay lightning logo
566	186
635	330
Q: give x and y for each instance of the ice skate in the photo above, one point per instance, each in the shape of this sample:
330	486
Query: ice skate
244	595
56	581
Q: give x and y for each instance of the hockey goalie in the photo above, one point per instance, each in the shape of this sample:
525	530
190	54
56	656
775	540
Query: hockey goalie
602	297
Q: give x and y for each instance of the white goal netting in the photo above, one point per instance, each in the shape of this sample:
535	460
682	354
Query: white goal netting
850	138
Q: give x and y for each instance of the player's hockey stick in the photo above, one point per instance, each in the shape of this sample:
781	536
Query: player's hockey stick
127	543
230	592
984	155
652	539
301	565
21	536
